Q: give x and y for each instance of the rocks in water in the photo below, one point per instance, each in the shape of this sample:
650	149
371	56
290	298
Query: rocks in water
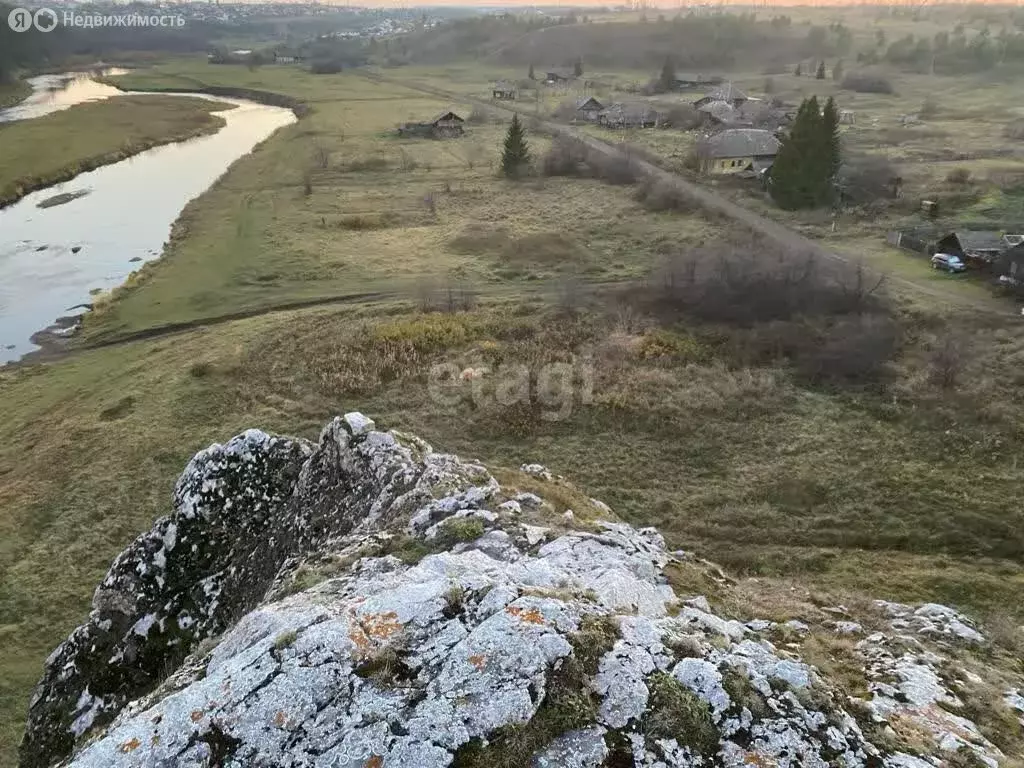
76	248
134	259
63	198
366	601
41	248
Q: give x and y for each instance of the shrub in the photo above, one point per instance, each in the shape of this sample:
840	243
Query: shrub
663	196
1015	130
683	116
866	82
959	176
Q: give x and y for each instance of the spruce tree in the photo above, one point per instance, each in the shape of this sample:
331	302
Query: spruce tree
820	74
830	133
799	69
667	79
577	68
530	75
804	168
516	154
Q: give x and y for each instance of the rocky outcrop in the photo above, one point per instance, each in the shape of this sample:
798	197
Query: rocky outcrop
368	602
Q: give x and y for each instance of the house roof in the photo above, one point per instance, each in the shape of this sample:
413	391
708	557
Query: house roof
581	103
979	240
720	110
445	115
743	142
635	112
504	85
726	93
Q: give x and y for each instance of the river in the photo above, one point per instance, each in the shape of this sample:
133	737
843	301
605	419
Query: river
52	258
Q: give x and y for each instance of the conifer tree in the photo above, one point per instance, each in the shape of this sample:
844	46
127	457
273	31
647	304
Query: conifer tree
667	79
820	74
804	169
577	68
516	154
799	69
830	134
530	75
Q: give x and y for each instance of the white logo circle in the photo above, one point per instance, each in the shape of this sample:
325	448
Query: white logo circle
45	20
20	19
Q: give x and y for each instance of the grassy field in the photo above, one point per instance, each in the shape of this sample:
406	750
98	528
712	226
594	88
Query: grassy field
63	144
739	457
13	93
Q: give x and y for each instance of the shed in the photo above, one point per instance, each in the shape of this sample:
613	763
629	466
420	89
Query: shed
639	115
740	149
983	247
504	90
728	93
446	125
589	109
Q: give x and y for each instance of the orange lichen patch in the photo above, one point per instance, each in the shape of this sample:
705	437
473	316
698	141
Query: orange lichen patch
197	715
529	615
375	762
381	626
478	660
130	746
279	718
759	761
360	640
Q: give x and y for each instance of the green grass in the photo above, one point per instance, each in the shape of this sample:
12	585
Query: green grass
61	145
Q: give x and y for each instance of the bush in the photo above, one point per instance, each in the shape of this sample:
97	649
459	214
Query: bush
571	157
744	283
662	196
866	178
959	176
866	82
684	117
1015	130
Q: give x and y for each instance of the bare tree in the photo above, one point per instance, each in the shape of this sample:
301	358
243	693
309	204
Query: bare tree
321	154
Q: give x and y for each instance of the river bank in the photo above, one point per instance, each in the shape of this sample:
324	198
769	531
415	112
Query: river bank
14	93
58	147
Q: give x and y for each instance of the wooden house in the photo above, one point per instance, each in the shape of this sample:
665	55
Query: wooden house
739	150
446	125
978	248
728	93
503	90
588	110
640	115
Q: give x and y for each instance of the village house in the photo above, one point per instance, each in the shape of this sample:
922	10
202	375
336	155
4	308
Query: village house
639	115
728	93
446	125
588	110
978	248
739	150
504	91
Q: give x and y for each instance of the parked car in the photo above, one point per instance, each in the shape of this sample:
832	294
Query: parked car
949	262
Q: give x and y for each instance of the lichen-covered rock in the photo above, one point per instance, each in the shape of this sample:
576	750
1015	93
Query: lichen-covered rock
402	614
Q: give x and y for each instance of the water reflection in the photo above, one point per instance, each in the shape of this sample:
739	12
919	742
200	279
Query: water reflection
52	93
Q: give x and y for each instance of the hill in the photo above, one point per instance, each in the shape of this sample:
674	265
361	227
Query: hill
364	600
